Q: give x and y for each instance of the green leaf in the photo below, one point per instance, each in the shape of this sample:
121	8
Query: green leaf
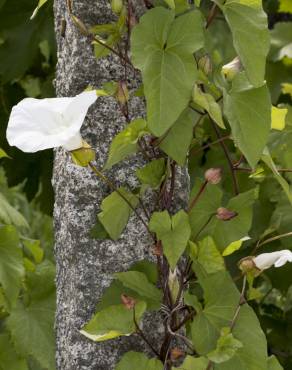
32	325
148	268
126	142
112	294
34	249
193	301
174	232
22	37
11	265
234	246
218	313
208	102
206	206
209	257
3	154
153	173
191	363
10	215
177	140
226	232
248	24
287	89
40	4
273	364
98	231
31	86
9	359
162	48
226	348
270	163
281	45
116	211
278	118
249	113
170	3
285	6
113	322
41	282
138	282
137	360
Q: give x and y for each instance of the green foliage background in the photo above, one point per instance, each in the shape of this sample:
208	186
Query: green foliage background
27	62
27	271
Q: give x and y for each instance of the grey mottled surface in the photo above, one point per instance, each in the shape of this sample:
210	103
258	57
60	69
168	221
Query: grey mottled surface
84	266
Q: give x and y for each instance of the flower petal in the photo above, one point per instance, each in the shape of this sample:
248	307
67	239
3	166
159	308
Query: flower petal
38	124
76	111
266	260
284	258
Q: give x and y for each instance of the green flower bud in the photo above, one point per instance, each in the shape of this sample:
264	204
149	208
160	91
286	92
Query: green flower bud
205	64
83	156
117	6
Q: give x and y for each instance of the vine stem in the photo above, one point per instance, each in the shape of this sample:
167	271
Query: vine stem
227	155
205	225
200	192
142	335
240	303
236	314
210	144
212	14
114	188
83	29
250	170
269	240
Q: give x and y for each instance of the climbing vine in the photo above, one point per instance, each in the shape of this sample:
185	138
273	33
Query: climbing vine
209	260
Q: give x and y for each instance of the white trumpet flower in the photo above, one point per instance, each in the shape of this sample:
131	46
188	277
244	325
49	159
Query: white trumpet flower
38	124
266	260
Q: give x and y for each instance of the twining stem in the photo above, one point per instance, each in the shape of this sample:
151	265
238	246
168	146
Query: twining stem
269	240
114	188
225	150
205	225
200	192
83	29
212	14
142	335
236	314
210	144
240	303
250	170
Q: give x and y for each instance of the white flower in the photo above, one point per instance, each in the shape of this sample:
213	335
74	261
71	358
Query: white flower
231	69
278	259
38	124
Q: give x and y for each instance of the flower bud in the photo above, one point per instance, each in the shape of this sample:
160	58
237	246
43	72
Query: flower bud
176	353
246	264
213	175
84	155
231	69
225	214
132	21
128	301
173	284
205	64
117	6
122	94
157	249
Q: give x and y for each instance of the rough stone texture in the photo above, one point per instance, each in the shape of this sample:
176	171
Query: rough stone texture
84	266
